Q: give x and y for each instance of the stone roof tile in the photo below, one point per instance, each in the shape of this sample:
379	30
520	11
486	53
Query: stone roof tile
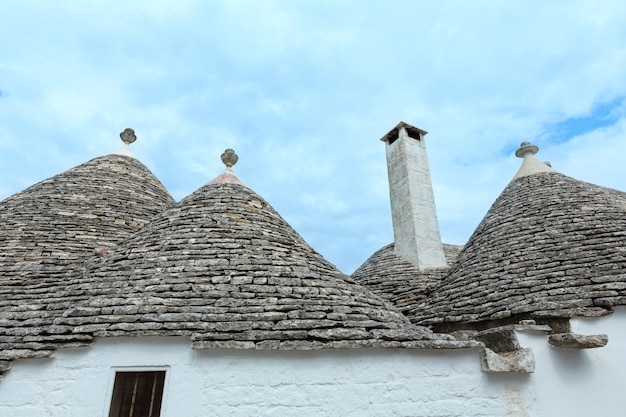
51	225
549	247
47	232
224	268
399	281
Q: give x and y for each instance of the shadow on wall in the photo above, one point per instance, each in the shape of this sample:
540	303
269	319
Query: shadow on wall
571	366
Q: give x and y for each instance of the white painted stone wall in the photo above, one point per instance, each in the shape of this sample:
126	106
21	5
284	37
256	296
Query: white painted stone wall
581	383
414	215
358	383
388	382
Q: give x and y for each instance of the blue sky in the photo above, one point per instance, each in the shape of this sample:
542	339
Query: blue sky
303	90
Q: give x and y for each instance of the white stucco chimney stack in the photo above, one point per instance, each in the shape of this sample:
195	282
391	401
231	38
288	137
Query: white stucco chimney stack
415	225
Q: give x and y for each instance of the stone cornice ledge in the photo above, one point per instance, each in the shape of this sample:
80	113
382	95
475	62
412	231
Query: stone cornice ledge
521	361
335	344
577	341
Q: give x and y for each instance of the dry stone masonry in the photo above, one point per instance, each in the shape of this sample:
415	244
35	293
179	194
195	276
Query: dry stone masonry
396	279
48	230
549	247
102	251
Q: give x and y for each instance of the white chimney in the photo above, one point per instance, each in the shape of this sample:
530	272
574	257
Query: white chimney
415	225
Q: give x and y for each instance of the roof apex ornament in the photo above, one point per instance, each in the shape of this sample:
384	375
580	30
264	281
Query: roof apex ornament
229	158
128	136
530	164
525	148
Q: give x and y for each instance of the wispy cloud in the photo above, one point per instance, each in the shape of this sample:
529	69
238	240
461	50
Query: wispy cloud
304	90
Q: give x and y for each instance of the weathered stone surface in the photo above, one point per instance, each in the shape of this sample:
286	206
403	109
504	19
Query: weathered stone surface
338	334
223	268
50	229
52	226
549	247
394	278
522	360
102	251
577	341
5	366
499	340
415	227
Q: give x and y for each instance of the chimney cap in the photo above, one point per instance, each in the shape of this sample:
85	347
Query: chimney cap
414	132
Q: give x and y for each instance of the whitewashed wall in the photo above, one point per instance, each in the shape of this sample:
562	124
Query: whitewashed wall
384	382
581	383
360	383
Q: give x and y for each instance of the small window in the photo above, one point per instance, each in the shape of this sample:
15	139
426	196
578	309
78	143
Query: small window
137	394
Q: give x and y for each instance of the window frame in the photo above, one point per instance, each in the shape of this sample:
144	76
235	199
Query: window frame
112	375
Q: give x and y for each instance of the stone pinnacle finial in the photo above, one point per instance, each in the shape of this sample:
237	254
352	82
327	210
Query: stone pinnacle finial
128	136
530	164
229	158
525	148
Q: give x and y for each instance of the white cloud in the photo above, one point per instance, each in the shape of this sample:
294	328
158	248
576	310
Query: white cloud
304	90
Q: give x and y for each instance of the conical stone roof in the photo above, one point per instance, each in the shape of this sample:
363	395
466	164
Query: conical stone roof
395	278
549	247
52	225
225	269
47	232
